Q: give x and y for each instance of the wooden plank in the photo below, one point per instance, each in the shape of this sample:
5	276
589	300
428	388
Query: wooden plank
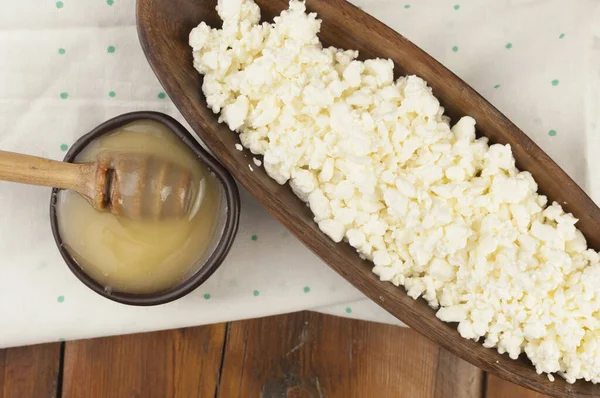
313	355
500	388
456	378
2	372
175	363
30	371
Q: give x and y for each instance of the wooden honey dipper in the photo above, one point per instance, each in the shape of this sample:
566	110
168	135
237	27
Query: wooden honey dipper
132	185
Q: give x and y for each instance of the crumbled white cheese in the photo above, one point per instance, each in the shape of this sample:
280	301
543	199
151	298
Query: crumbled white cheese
436	209
257	162
239	147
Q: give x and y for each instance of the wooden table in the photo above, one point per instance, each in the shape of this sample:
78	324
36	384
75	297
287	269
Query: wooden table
296	355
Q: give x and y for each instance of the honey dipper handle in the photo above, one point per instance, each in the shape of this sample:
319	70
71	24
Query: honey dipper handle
33	170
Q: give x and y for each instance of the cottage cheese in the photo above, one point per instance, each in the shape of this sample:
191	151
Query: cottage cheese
435	209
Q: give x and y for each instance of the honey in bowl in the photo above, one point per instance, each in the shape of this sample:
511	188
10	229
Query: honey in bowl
147	255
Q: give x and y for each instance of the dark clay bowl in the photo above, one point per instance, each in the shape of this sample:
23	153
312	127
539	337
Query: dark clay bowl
231	208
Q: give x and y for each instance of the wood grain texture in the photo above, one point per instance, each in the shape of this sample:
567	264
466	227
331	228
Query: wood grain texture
455	377
498	388
164	26
33	170
175	364
314	355
30	372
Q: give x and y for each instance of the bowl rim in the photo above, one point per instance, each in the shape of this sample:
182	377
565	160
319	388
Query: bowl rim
230	228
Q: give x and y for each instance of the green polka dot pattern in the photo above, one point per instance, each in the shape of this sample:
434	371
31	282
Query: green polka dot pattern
453	22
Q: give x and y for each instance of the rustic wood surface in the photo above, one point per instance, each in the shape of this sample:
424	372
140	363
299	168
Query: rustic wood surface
314	355
164	26
175	363
32	371
498	388
296	355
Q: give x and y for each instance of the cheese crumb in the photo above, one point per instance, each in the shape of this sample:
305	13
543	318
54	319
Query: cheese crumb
436	209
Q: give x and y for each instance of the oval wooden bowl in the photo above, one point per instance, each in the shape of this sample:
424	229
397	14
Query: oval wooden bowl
164	26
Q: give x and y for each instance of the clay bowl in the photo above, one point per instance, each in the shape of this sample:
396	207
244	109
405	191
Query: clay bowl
228	231
163	28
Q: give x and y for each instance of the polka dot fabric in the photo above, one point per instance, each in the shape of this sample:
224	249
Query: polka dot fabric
69	65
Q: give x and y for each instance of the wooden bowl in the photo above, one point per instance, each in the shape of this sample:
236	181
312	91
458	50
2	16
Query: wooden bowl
164	26
226	238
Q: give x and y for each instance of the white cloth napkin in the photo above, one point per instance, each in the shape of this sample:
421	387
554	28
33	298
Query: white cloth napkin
68	65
